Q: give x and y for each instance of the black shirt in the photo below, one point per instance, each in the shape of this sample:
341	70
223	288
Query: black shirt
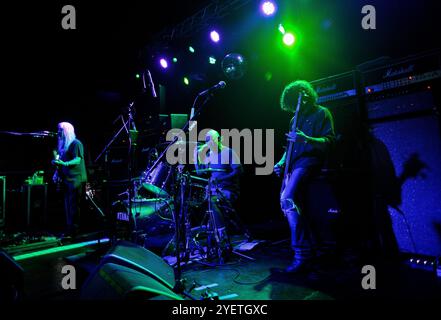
317	123
74	175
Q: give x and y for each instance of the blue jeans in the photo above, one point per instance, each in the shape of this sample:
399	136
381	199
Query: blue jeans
291	204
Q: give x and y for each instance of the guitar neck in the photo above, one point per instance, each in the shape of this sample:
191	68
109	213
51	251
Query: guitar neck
293	129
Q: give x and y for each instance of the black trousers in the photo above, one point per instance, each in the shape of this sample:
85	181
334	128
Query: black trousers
73	199
291	202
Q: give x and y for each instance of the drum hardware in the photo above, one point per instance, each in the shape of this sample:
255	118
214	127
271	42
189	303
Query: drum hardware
212	229
236	221
179	283
156	185
156	182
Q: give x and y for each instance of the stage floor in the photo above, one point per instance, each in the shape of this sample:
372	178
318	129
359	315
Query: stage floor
243	279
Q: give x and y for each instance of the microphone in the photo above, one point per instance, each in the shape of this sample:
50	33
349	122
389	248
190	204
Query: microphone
218	86
41	134
49	134
151	84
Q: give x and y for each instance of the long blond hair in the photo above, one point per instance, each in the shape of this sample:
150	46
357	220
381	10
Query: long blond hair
66	137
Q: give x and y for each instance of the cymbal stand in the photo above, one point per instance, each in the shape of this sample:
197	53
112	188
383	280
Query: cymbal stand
236	221
238	224
212	227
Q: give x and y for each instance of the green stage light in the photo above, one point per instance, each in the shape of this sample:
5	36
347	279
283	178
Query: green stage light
186	81
212	60
289	39
191	49
137	76
175	60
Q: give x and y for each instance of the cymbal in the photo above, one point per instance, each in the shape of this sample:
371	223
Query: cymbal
181	143
209	170
127	180
198	179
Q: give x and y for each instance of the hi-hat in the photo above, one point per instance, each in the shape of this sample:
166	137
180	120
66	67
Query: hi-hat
209	170
181	143
198	179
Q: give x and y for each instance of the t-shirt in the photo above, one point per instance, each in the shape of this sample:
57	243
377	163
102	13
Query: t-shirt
74	175
227	160
318	124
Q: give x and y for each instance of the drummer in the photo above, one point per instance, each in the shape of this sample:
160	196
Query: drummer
224	179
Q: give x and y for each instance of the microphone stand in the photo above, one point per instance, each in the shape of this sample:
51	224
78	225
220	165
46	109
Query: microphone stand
130	128
106	148
133	135
186	126
179	287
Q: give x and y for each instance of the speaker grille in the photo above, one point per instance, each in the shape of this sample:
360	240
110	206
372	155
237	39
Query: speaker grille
414	149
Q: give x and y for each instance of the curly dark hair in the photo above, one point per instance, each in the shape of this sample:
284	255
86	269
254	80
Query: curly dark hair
289	96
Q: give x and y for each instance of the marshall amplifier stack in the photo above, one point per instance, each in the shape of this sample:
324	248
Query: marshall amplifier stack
402	106
343	178
387	121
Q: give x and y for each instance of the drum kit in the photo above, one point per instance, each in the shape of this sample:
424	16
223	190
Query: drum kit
172	197
169	191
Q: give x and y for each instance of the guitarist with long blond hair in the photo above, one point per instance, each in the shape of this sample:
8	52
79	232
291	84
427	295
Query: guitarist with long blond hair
71	174
311	132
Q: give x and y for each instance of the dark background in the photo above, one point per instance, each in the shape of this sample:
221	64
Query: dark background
87	76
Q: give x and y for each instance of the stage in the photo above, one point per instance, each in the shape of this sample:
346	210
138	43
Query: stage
221	150
335	277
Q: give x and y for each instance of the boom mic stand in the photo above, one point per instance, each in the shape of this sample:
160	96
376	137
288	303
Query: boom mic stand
179	287
132	133
133	136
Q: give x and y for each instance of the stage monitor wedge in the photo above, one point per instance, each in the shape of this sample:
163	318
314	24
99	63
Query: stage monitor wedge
116	282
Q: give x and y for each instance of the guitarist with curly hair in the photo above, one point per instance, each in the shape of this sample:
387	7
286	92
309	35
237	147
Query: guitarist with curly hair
311	132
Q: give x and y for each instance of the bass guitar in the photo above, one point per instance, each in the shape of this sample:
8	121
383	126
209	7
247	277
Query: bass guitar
286	174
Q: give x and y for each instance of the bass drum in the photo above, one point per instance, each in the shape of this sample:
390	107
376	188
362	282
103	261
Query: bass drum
157	183
154	221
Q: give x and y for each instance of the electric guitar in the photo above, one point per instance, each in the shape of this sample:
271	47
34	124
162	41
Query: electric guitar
56	177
